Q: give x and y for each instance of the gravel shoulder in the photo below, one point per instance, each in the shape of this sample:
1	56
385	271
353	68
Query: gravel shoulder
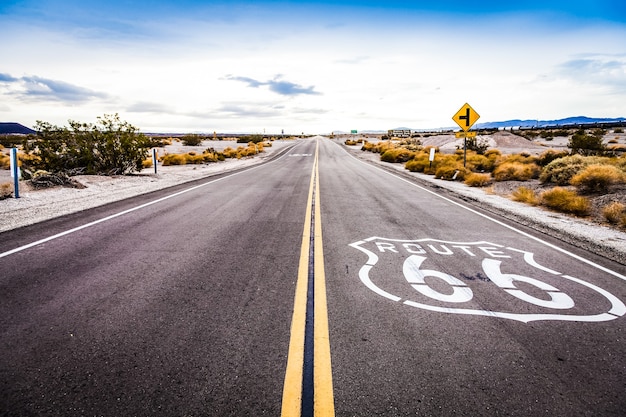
35	206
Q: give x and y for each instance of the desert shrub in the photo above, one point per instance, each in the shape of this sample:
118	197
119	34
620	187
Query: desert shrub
250	138
174	159
419	163
397	155
229	152
616	148
561	170
525	195
147	163
350	142
515	171
451	172
192	140
5	161
194	159
584	144
6	190
480	163
566	201
477	180
493	153
477	145
379	147
618	130
210	156
548	156
110	146
598	178
615	213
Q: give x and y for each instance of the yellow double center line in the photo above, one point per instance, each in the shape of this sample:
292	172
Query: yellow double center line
323	403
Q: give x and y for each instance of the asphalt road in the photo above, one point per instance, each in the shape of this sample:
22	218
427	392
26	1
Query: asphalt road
187	302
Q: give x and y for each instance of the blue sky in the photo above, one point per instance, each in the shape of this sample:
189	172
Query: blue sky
313	67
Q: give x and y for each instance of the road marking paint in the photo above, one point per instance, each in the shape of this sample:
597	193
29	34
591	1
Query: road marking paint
130	210
550	245
323	380
323	402
292	389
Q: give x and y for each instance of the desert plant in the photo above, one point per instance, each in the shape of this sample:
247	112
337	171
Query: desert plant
477	180
6	190
566	201
550	155
174	159
110	146
560	171
452	172
5	161
397	155
480	163
525	195
615	213
515	171
584	144
419	163
192	140
598	178
250	138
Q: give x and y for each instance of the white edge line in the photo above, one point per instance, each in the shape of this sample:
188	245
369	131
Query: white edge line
130	210
573	255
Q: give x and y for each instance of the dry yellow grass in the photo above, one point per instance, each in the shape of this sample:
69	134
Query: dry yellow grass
566	201
598	178
525	195
6	190
477	180
615	213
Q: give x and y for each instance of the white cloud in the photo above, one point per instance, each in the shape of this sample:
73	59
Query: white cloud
334	73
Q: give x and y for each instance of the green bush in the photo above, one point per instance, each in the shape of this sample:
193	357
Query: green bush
110	147
192	140
584	144
561	170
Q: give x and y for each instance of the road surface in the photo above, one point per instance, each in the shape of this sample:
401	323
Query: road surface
314	284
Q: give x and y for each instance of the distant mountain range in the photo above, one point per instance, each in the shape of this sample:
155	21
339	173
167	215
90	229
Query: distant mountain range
14	128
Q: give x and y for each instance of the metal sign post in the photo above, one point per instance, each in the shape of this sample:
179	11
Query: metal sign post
465	118
154	159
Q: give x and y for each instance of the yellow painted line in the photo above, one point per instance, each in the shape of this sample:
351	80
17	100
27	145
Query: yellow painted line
322	371
292	389
323	405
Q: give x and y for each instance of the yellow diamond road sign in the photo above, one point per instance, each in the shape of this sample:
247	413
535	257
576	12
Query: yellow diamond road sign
466	117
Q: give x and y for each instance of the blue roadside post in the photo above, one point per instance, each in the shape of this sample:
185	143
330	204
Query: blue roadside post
15	173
